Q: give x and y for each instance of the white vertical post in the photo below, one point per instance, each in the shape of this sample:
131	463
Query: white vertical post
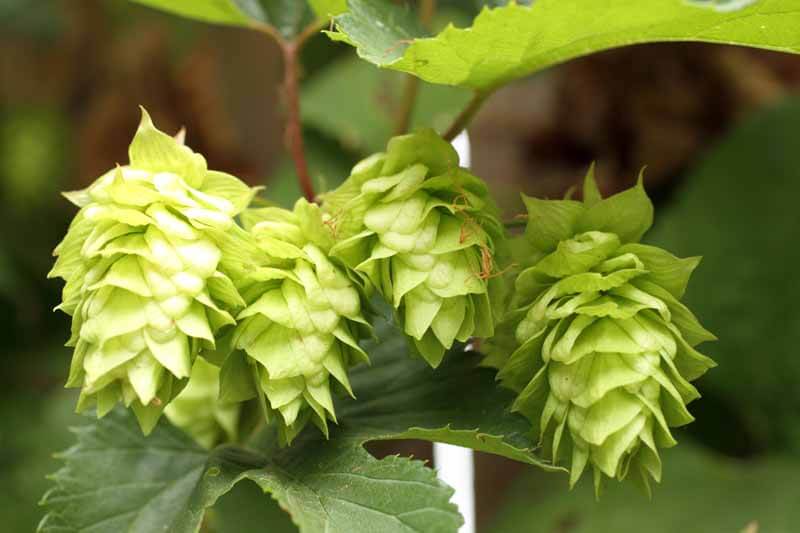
462	146
456	465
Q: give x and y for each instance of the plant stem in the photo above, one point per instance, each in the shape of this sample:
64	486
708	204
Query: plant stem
309	31
293	136
427	9
517	223
406	109
463	119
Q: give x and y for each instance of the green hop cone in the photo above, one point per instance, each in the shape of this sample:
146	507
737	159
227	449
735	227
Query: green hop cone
144	281
302	324
198	411
601	349
423	231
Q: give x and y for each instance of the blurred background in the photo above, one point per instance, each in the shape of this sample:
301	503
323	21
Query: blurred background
717	127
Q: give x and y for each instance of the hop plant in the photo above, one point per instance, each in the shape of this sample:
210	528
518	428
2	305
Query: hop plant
423	232
198	411
303	321
144	282
601	349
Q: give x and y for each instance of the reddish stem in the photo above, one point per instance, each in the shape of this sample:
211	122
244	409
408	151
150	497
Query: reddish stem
294	129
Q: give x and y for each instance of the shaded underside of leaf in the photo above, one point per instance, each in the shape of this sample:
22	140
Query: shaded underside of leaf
288	17
510	42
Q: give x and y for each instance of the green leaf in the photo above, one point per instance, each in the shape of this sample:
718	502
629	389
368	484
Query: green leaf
231	12
402	398
288	17
344	489
507	43
116	479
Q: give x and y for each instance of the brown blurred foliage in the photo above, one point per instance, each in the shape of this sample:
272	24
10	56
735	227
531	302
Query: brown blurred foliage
99	69
657	106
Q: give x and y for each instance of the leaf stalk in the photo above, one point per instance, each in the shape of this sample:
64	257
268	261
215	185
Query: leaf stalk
466	116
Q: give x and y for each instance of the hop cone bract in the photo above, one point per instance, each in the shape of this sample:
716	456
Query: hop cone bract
423	231
304	317
198	411
601	349
144	286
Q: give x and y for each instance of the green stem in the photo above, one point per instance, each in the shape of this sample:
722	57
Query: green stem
406	110
427	9
516	223
466	116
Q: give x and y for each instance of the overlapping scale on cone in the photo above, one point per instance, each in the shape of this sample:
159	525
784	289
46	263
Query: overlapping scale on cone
301	329
423	232
597	343
144	281
198	411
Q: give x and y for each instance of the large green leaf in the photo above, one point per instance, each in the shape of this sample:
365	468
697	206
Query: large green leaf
288	17
116	479
738	210
231	12
506	43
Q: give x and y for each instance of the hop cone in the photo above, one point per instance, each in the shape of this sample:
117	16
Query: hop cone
423	232
303	321
198	411
602	350
141	262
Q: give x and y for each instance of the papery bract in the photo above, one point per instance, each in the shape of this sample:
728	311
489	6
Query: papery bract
596	341
303	321
423	232
145	281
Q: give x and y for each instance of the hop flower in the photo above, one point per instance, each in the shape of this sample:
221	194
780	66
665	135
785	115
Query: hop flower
603	351
198	411
144	285
424	233
303	321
